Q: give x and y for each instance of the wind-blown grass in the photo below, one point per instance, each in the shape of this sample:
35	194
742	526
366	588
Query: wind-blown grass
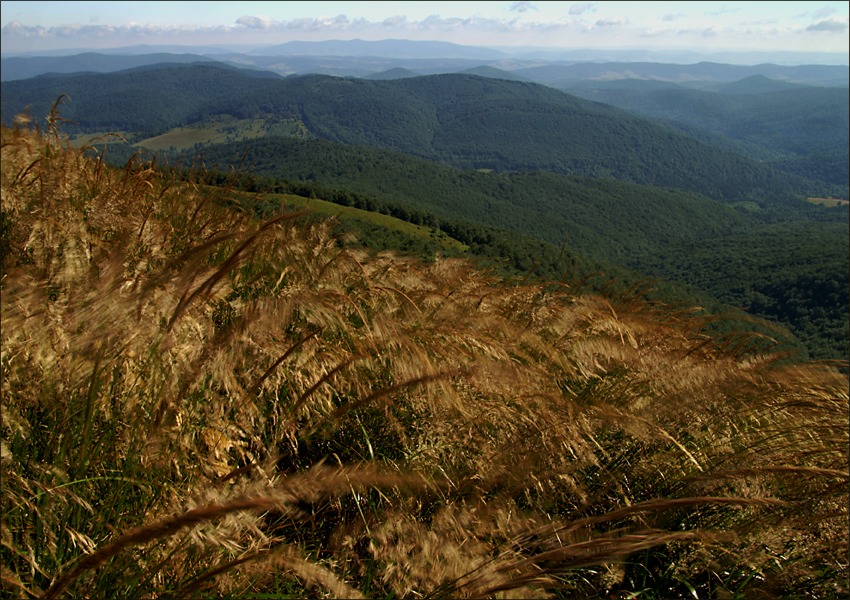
198	403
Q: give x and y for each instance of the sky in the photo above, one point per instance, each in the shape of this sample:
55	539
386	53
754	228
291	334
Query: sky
810	26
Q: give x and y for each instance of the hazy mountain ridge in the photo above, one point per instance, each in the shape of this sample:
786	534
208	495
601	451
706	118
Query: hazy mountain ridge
391	48
14	68
560	75
358	58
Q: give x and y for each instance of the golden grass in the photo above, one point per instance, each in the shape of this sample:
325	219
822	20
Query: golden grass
830	202
194	402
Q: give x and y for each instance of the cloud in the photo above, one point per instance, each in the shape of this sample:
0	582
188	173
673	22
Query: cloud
255	25
824	12
243	25
820	13
521	7
255	22
760	22
673	17
397	22
723	10
580	9
836	25
612	22
15	29
18	29
706	32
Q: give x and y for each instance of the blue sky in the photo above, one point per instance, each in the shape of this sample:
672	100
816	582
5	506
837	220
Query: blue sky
810	26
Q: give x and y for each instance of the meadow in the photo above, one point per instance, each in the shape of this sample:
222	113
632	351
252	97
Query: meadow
196	403
829	201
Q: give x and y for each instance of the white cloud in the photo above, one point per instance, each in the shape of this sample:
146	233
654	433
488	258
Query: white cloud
18	29
612	22
690	33
580	9
830	25
823	12
15	29
820	13
724	10
760	22
397	22
521	7
255	22
673	17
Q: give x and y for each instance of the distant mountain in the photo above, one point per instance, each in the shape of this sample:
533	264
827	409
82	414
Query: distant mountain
460	120
396	73
349	66
754	84
135	50
359	58
677	56
402	49
528	55
25	67
564	75
493	73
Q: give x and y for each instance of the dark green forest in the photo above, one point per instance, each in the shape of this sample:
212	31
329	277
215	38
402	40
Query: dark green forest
791	273
794	128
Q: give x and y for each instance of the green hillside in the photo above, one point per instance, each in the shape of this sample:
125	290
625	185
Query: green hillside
602	219
774	121
791	273
459	120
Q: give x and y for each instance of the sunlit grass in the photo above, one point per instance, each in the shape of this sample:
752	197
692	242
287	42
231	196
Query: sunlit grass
198	403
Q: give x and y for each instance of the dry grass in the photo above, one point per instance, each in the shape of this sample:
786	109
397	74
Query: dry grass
196	403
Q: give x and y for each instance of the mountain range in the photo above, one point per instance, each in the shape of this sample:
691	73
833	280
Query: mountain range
460	120
359	58
681	160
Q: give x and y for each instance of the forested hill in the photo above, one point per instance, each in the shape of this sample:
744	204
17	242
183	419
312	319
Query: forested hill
460	120
803	129
603	219
764	261
19	67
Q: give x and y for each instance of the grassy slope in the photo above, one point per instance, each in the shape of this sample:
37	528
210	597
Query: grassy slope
197	402
349	213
